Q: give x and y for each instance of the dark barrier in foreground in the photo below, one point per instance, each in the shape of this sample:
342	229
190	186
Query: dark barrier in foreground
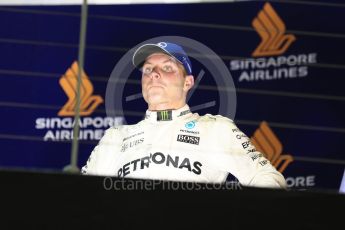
59	201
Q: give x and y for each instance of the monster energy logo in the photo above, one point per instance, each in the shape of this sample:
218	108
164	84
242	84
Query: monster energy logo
165	115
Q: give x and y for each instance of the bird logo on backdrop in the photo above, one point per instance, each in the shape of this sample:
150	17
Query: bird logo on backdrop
88	102
271	29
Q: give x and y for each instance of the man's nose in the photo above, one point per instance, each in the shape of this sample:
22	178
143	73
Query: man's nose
155	73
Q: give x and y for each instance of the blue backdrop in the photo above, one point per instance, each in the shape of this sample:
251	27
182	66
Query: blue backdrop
294	81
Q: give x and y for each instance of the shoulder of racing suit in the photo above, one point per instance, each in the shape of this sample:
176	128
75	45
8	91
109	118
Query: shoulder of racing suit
97	159
251	167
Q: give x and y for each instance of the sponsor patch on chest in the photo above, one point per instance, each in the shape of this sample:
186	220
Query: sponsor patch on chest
188	139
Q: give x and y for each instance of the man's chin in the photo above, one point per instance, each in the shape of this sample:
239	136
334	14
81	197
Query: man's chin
156	99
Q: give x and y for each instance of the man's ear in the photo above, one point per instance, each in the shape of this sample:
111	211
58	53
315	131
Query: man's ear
189	82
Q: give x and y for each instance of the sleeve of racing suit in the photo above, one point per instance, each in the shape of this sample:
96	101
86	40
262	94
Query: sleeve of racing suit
103	154
251	168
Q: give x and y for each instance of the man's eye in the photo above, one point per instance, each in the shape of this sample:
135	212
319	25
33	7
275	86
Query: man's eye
167	68
147	70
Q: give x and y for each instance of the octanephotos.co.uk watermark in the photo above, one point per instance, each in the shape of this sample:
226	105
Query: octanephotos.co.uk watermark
111	183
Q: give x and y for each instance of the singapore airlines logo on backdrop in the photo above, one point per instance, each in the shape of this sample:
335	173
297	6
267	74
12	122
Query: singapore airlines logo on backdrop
271	29
266	142
91	127
266	65
88	102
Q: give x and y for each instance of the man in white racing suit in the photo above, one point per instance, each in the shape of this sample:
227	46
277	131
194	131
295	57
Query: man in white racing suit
172	143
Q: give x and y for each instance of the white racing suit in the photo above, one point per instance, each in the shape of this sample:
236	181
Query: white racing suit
179	145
